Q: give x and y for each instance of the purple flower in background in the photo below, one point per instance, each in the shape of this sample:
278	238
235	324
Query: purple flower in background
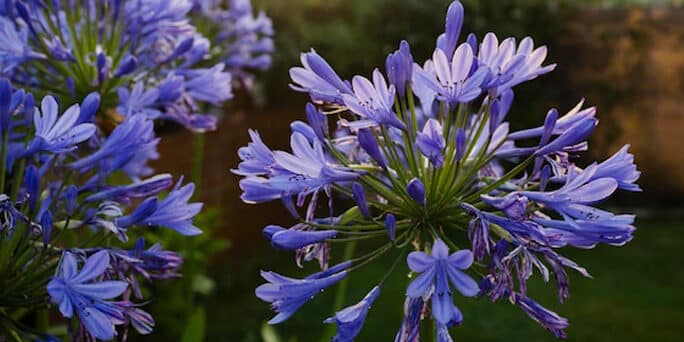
79	292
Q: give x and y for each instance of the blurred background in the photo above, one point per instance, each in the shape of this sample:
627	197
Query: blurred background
626	57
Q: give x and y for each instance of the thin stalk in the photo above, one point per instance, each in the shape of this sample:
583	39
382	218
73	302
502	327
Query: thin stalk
3	162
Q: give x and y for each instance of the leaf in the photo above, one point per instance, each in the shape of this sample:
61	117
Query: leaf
194	331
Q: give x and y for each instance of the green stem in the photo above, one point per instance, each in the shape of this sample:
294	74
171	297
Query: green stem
198	161
3	163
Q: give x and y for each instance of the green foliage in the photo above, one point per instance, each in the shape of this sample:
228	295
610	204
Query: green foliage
194	330
175	304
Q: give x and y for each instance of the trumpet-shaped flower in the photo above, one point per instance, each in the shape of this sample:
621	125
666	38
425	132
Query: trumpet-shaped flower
79	292
437	270
350	319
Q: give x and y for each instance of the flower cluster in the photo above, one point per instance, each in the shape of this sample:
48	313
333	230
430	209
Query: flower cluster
65	209
247	39
427	155
141	56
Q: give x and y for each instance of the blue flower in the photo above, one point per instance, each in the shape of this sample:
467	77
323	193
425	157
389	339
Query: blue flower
175	212
78	291
399	66
508	65
438	269
360	197
318	78
139	189
373	101
13	45
291	239
58	135
303	172
138	100
451	79
286	295
416	189
256	157
350	319
548	319
123	143
410	326
431	142
370	145
212	85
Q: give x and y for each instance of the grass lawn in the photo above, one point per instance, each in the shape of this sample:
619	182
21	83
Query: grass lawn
636	295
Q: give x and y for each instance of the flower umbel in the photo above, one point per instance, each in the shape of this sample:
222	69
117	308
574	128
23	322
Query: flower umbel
431	168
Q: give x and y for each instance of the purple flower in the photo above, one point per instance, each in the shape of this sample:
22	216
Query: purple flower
211	85
123	143
58	135
305	171
410	326
373	101
175	212
256	157
141	320
575	134
73	291
318	78
438	269
547	318
452	30
370	145
14	48
286	295
431	142
416	189
350	319
291	239
508	65
451	79
139	189
360	197
399	67
562	125
318	121
391	225
138	100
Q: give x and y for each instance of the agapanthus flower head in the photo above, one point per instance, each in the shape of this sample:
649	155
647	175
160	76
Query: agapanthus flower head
427	164
124	50
63	194
246	36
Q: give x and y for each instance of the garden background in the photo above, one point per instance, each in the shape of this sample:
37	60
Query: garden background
626	57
